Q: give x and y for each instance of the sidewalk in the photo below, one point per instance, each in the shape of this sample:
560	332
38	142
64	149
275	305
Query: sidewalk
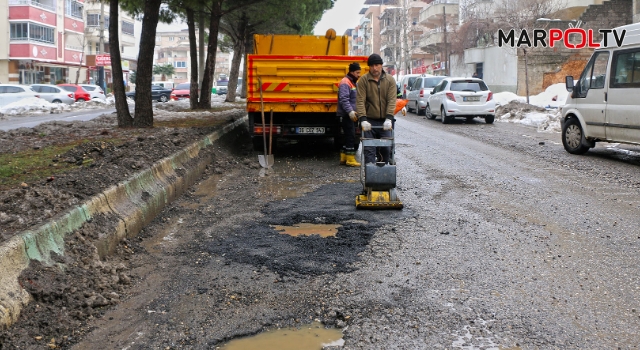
134	202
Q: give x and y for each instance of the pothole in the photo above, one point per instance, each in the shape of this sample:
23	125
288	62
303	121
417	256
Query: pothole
308	337
308	229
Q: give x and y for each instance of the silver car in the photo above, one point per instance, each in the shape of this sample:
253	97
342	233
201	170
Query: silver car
94	91
54	94
418	93
10	93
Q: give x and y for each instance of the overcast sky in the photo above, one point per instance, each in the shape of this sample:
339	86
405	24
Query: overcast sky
343	15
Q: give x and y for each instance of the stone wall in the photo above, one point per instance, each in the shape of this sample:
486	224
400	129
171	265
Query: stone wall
547	66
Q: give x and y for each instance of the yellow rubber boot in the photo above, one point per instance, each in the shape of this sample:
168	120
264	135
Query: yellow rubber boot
351	160
343	157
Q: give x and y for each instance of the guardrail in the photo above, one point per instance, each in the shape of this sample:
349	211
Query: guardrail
35	3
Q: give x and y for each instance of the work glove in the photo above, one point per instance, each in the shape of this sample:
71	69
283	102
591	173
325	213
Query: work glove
353	116
387	123
364	124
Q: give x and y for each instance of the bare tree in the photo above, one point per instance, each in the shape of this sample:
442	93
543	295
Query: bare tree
521	15
83	43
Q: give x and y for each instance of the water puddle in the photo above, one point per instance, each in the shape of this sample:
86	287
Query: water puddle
309	337
205	191
307	229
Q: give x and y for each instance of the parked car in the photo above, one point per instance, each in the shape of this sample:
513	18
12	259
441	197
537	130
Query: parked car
10	93
94	91
54	94
222	87
181	92
80	93
461	97
165	84
418	93
407	81
158	93
602	105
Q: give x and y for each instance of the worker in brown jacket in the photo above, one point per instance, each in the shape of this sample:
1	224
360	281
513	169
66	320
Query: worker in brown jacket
375	104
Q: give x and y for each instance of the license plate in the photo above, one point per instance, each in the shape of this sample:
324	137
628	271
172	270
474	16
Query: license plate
471	99
310	130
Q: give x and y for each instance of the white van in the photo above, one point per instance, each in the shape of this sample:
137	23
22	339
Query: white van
603	104
165	84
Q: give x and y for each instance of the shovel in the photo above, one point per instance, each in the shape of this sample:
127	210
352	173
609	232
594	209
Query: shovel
266	161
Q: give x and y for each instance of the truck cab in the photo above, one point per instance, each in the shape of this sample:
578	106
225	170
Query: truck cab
602	105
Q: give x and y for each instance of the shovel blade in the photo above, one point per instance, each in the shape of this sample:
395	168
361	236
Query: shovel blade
266	161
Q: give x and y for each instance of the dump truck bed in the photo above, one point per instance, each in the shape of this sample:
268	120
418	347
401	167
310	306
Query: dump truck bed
296	83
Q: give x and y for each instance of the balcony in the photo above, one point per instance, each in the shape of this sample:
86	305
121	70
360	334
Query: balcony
432	41
431	16
48	5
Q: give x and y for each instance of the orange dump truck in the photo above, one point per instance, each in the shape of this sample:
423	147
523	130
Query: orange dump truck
298	77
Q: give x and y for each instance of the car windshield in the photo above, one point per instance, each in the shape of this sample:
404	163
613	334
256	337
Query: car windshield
223	83
411	80
183	86
468	85
89	88
431	82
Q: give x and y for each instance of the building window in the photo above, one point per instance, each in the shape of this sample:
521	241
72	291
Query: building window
170	38
73	9
183	38
180	64
93	20
32	32
127	27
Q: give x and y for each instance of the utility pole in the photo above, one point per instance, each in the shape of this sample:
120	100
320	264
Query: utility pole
407	49
445	57
101	45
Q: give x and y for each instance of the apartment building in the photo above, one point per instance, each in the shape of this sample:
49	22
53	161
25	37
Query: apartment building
173	48
91	41
48	40
392	29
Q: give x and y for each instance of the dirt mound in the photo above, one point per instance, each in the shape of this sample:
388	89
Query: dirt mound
99	155
65	299
517	108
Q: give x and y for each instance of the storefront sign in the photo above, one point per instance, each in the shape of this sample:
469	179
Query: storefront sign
103	60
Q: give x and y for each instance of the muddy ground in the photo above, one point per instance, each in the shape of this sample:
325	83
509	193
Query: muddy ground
66	299
69	306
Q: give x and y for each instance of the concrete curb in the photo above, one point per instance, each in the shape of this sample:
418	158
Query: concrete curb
135	202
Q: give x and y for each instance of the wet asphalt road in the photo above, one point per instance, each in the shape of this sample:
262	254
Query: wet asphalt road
506	242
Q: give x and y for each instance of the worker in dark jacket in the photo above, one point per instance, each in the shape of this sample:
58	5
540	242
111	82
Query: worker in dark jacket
347	111
375	106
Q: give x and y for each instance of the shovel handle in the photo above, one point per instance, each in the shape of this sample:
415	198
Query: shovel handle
264	132
270	130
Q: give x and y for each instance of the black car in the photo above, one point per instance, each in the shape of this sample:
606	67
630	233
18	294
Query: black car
158	93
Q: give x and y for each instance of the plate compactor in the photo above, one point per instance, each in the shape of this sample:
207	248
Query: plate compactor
378	179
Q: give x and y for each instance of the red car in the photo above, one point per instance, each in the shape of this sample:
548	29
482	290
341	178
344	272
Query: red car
181	91
81	94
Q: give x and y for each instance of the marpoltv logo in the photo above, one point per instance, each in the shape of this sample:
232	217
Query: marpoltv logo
542	38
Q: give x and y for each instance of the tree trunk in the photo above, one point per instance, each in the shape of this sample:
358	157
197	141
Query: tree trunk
238	48
122	108
193	88
214	27
201	46
248	48
144	110
80	65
